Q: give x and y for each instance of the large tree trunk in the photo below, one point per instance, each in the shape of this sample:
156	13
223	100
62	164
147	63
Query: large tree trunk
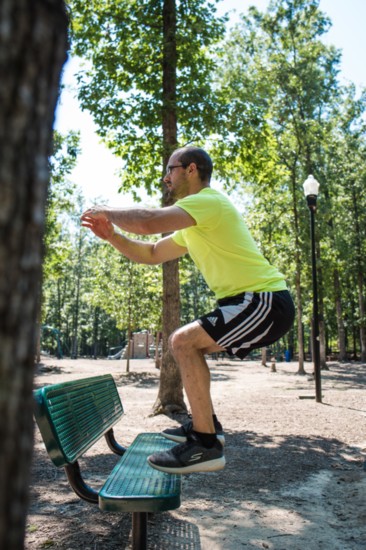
170	397
33	45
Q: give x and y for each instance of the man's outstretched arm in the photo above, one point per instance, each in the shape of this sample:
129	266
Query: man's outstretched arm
142	221
138	251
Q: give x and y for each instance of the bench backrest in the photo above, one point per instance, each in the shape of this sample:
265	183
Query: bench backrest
72	416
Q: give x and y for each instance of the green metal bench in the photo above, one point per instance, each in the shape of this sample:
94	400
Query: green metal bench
72	417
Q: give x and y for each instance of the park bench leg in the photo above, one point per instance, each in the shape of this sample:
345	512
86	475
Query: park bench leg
139	530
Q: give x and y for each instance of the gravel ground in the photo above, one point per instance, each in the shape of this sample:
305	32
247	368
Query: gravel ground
294	478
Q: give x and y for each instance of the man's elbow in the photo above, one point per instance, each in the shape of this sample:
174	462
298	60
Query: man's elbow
152	258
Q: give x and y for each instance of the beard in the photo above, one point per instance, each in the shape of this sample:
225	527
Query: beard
179	192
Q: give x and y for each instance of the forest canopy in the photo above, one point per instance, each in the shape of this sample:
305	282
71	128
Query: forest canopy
265	99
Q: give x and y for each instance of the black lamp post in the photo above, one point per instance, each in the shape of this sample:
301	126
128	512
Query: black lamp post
311	190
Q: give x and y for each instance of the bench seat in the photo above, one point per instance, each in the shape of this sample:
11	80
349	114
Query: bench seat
133	486
72	417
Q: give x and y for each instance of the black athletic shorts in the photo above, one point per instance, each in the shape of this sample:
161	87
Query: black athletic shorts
249	320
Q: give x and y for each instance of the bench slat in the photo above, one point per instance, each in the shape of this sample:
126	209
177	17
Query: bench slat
133	486
72	416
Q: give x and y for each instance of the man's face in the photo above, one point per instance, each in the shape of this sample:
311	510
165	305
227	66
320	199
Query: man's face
176	178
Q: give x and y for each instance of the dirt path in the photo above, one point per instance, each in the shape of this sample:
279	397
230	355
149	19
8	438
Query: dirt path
294	478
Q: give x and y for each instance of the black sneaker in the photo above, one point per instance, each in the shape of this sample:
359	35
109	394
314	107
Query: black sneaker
189	457
180	434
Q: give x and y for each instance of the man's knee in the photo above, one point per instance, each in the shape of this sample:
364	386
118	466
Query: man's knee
178	340
192	337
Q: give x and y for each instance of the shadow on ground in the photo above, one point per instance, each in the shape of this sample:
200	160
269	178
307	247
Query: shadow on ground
257	465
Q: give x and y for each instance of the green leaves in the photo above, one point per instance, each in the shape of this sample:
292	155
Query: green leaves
60	198
268	102
122	87
287	117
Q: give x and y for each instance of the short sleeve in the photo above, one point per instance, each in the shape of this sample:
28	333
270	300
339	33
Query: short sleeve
204	208
178	238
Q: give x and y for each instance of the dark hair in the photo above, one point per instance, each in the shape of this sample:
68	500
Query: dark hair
201	159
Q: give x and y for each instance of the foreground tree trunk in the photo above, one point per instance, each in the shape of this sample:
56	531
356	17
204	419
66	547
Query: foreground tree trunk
170	398
33	45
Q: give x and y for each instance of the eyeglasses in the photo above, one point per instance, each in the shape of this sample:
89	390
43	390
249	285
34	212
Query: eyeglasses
171	167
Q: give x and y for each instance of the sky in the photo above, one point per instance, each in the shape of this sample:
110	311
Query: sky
96	171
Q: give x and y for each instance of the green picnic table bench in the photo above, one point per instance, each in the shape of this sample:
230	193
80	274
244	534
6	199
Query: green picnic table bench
72	417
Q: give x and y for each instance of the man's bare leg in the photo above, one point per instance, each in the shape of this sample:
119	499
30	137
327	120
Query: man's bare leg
204	452
189	345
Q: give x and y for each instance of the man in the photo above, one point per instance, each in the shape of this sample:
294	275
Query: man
254	306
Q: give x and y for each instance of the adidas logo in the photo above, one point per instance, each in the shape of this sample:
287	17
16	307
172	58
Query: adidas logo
213	320
195	457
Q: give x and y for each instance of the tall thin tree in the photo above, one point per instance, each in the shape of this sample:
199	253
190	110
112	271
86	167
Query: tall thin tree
149	88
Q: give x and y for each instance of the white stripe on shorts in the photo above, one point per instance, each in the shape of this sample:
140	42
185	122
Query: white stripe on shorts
249	324
230	312
254	341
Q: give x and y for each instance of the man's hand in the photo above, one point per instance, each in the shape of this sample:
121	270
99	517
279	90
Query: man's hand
95	212
98	223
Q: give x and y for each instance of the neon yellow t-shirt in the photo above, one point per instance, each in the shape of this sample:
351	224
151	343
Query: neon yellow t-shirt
222	247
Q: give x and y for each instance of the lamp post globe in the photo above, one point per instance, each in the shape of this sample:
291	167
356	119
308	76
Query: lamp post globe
311	190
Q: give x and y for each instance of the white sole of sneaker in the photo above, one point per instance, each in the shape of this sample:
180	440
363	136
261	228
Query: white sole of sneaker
183	439
210	466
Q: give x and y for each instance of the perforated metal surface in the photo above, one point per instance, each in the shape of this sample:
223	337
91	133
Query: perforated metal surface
134	486
72	416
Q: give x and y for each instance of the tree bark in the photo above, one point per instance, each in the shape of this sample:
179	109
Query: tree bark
322	335
342	355
300	336
33	45
361	303
170	398
360	276
96	332
76	308
264	356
